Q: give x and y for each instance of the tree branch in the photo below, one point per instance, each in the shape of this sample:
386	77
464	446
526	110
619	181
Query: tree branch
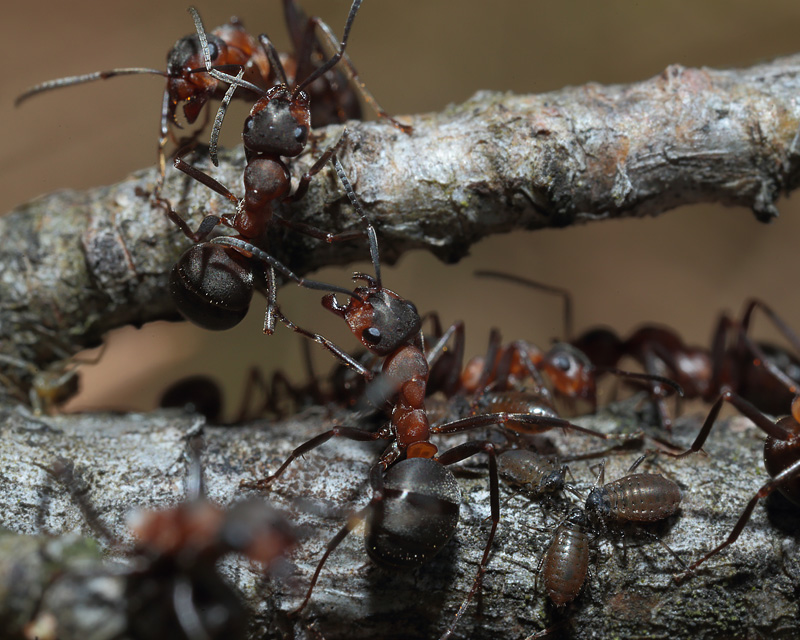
75	265
747	591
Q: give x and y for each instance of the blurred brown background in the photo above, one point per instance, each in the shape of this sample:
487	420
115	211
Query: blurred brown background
680	269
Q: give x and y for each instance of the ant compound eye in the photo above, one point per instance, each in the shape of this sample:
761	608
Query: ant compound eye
301	134
371	335
248	124
562	362
213	50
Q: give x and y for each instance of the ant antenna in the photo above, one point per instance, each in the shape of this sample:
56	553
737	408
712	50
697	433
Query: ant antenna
371	235
337	56
213	72
223	108
542	287
88	77
274	58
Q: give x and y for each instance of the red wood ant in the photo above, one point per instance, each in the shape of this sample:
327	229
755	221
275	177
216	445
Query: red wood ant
760	372
187	82
414	509
230	47
174	589
781	455
212	285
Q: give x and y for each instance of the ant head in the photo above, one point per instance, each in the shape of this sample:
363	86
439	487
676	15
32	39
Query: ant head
184	81
570	370
278	123
379	318
212	286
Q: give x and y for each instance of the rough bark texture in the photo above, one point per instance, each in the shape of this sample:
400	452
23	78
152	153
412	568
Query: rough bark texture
128	461
75	265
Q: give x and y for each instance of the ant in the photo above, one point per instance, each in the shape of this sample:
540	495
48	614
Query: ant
760	372
414	509
212	285
230	46
781	452
174	588
202	394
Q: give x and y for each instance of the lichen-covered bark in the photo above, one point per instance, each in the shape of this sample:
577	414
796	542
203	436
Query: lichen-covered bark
137	461
74	265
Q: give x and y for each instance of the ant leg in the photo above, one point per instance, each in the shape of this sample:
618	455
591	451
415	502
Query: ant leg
525	423
302	186
319	234
376	481
204	178
449	371
775	483
565	295
223	109
250	250
456	454
355	81
745	408
349	433
489	362
64	471
344	357
656	391
272	302
781	325
253	381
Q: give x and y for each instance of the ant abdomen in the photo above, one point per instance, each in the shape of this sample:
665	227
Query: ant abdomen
212	286
567	560
638	497
418	515
782	454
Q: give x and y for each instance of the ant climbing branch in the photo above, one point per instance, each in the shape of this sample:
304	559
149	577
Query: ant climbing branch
114	249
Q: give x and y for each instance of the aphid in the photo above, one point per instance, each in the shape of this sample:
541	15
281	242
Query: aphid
566	562
414	509
634	498
534	474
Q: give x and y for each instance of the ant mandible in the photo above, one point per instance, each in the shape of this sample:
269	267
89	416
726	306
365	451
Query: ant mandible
414	509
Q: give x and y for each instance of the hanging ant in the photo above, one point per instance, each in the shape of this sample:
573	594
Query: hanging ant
230	46
174	589
187	82
414	509
758	371
212	285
